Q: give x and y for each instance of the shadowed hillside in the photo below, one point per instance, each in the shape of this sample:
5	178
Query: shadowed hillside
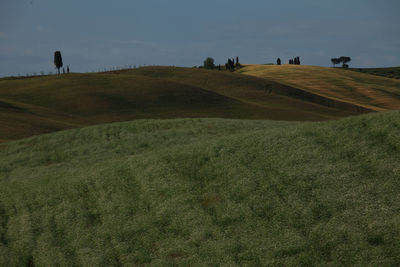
204	192
46	104
393	72
364	90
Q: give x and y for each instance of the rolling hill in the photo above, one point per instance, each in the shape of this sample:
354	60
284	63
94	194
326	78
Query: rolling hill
204	192
393	72
200	191
360	89
38	105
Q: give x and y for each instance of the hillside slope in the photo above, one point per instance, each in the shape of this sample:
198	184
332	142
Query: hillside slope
45	104
364	90
204	192
393	72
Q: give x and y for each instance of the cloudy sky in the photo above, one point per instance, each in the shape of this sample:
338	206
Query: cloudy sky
98	34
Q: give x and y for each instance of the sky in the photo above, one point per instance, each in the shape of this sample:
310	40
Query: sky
96	34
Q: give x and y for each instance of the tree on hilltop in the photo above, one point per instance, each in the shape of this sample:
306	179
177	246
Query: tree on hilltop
209	63
335	61
345	60
58	60
229	64
295	61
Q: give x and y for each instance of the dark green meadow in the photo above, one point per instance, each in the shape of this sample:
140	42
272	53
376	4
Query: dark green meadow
393	72
204	192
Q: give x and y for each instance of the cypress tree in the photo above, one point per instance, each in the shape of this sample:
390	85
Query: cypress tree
230	64
58	60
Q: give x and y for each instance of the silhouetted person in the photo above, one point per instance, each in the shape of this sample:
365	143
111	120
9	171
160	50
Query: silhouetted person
67	69
278	61
63	70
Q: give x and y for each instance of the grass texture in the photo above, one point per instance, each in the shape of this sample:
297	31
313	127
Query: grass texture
201	192
359	89
393	72
38	105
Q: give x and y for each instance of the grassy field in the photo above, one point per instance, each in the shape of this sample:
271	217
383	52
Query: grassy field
38	105
204	192
360	89
393	72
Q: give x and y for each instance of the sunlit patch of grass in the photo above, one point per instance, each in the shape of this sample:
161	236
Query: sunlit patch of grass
364	90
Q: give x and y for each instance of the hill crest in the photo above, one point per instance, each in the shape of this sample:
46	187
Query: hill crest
51	103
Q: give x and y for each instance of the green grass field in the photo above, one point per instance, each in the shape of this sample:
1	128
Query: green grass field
393	72
255	167
38	105
204	192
